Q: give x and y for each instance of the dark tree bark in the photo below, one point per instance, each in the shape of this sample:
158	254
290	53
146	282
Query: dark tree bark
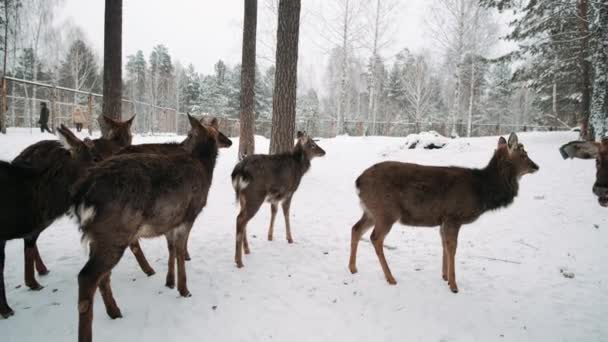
585	65
112	63
286	76
247	124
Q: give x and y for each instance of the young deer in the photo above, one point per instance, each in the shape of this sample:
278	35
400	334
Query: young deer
429	196
590	150
33	197
132	196
274	178
166	149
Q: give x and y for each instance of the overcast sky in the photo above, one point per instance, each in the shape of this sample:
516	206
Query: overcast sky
204	31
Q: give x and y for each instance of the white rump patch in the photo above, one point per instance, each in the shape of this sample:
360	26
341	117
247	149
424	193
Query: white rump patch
239	183
85	213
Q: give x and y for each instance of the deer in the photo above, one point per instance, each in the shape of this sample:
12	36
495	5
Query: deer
48	169
32	198
427	196
592	150
134	196
272	178
167	148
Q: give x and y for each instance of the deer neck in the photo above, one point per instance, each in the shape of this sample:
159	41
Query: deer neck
497	183
301	159
207	153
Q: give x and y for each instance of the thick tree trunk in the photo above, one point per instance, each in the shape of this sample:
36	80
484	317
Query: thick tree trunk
599	104
343	74
471	97
585	65
112	63
286	76
3	99
247	126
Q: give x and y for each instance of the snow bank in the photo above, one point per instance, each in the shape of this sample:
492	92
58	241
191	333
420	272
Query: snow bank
427	140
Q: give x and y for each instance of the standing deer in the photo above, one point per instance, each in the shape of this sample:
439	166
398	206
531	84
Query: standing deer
274	178
590	150
32	198
48	169
165	149
134	196
427	196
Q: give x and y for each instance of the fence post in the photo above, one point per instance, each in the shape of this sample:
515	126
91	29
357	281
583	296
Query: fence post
90	113
53	107
3	104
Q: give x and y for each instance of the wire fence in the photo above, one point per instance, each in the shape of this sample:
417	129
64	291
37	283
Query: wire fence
23	102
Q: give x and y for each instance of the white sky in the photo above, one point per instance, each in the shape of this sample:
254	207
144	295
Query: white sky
204	31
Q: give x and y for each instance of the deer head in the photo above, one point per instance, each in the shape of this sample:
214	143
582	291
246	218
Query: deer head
516	154
589	150
81	151
201	133
310	147
212	123
119	131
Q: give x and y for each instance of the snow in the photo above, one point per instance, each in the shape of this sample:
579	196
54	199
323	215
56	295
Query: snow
426	140
511	264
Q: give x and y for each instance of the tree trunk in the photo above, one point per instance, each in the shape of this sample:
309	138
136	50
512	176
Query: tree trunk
3	100
599	105
112	63
286	77
372	86
343	74
471	96
585	65
247	124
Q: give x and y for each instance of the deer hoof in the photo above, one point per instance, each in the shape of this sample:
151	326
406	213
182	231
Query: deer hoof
454	288
170	284
185	293
391	281
35	287
44	272
6	312
187	257
246	250
114	313
269	237
239	264
445	277
289	240
150	272
353	269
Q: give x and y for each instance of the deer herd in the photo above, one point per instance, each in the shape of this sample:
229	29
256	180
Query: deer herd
120	193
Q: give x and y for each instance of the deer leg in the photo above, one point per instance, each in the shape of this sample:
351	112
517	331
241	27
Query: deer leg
29	252
451	242
135	248
40	266
187	252
108	298
362	226
170	282
180	243
377	238
249	207
5	310
444	262
286	204
245	241
101	260
273	213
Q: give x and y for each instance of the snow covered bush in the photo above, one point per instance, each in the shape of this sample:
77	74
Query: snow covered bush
427	140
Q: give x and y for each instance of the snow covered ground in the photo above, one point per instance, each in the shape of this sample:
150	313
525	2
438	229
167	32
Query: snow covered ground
509	263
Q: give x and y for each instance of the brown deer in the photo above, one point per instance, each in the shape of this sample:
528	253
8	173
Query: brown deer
165	149
49	168
274	178
32	198
427	196
590	150
131	196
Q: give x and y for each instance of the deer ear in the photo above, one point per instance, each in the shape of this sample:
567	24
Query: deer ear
193	121
580	149
513	141
130	121
300	134
502	142
214	123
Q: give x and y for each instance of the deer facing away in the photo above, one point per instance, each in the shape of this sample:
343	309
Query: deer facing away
274	178
590	150
427	196
132	196
42	175
165	149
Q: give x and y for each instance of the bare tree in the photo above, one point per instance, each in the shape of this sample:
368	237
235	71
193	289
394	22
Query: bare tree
286	77
247	127
417	90
380	23
112	63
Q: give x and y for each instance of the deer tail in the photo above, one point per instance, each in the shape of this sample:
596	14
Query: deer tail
240	180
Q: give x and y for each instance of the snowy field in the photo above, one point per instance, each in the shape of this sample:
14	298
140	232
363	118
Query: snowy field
509	263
